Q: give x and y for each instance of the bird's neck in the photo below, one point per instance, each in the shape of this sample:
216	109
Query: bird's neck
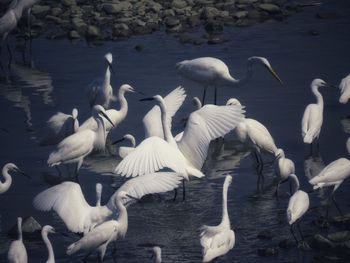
133	141
100	140
98	199
51	257
225	218
230	81
159	257
318	96
7	181
123	103
122	218
166	129
19	228
296	182
107	79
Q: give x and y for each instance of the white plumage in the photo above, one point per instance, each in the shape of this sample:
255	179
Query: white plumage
298	203
44	234
218	240
283	166
9	20
157	254
9	167
17	252
126	150
344	87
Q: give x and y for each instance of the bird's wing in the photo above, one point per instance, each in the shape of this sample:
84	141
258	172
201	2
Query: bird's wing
305	121
260	135
345	89
56	122
153	183
298	204
204	125
153	154
90	124
152	120
75	146
336	171
68	201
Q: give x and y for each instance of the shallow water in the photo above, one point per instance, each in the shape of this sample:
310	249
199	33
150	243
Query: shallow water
63	70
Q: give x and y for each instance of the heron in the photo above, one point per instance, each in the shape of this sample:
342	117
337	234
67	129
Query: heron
9	167
17	252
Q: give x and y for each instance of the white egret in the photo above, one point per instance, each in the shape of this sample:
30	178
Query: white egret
218	240
313	115
60	126
157	254
344	87
188	155
75	147
100	91
255	135
9	167
44	234
213	73
152	122
68	201
283	167
333	175
116	116
123	151
17	252
297	206
98	194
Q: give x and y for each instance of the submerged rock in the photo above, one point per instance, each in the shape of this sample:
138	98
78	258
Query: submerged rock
287	244
265	234
31	229
268	252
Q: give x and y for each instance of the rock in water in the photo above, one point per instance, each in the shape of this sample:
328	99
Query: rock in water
31	229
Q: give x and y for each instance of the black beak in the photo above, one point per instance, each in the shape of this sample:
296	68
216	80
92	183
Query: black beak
118	141
22	173
110	67
146	99
140	92
331	86
107	118
130	196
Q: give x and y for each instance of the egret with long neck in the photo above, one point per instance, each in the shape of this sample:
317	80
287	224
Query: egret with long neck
9	167
17	252
44	234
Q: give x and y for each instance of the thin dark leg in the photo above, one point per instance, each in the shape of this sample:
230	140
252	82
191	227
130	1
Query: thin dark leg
336	205
292	231
204	93
183	190
299	229
58	170
276	192
10	53
175	194
310	149
215	96
318	145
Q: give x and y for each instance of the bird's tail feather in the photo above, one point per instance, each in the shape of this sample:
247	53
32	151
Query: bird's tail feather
73	248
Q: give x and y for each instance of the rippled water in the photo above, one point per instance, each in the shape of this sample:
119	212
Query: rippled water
57	79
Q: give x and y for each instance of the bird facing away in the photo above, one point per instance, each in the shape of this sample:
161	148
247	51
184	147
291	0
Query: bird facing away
17	252
344	87
116	116
68	201
9	167
313	115
60	126
283	167
218	240
254	134
123	151
75	147
152	122
44	234
188	155
100	91
213	73
297	206
157	254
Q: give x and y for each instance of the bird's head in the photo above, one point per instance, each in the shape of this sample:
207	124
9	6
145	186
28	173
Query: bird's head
197	102
157	98
75	113
233	102
319	83
279	153
267	65
11	167
228	180
126	88
48	229
99	111
109	60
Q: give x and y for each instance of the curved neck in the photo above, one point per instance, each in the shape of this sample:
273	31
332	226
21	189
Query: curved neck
100	140
123	103
107	79
122	218
19	228
7	176
166	129
318	95
159	257
248	75
197	103
296	182
133	141
51	257
225	217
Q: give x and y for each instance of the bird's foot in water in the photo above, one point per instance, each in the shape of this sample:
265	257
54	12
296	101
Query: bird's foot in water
303	245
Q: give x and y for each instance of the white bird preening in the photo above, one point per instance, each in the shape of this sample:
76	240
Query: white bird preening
17	252
213	73
100	91
60	126
187	155
255	135
157	254
333	175
123	151
218	240
344	87
44	234
74	148
68	201
283	168
116	116
312	120
297	206
9	167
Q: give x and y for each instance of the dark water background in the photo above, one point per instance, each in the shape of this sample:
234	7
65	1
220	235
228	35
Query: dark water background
63	70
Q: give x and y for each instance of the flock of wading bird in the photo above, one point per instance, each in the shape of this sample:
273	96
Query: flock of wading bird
161	161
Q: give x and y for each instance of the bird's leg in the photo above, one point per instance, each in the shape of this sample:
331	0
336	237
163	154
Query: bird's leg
28	22
215	96
204	93
299	229
175	194
292	231
10	53
183	190
58	170
318	145
336	205
276	192
310	149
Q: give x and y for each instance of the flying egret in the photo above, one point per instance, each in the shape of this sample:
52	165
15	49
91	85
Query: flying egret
344	87
100	91
17	252
313	115
9	167
98	194
213	73
60	126
255	135
283	168
152	121
218	240
68	201
157	254
297	206
333	175
116	116
75	147
124	150
44	234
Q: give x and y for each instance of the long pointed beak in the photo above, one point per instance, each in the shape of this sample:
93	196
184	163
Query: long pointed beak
274	74
140	92
118	141
130	196
146	99
107	118
23	173
330	86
